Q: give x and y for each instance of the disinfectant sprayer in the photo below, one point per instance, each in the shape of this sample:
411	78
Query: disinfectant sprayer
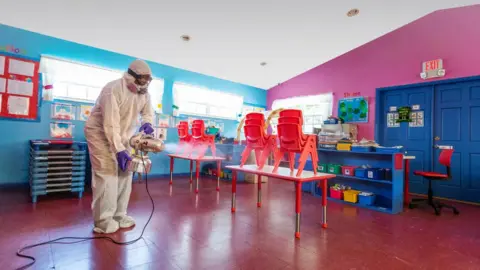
142	144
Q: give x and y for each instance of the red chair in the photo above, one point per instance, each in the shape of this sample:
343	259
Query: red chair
445	159
201	141
292	140
257	139
184	137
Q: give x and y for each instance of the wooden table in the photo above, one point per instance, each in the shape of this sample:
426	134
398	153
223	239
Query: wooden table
286	175
406	199
197	160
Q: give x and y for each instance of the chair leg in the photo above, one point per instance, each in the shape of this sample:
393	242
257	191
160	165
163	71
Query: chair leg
454	209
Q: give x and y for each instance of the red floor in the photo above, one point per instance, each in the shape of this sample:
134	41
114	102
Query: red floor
189	232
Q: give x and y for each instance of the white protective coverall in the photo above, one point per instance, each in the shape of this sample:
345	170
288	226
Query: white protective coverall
108	130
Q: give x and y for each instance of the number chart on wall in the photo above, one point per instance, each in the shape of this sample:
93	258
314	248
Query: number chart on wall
353	110
18	88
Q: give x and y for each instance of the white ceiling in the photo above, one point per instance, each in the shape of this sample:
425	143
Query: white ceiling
229	38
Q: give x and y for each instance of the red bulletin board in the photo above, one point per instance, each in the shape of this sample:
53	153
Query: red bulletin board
19	81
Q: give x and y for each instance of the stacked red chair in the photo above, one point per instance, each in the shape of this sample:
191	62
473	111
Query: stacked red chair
257	139
293	141
184	137
200	140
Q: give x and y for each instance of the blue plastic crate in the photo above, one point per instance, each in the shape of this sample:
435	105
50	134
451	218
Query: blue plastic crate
375	174
362	149
361	172
387	174
366	200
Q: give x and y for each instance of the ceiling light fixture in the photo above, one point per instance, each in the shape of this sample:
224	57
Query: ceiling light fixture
185	38
353	12
263	64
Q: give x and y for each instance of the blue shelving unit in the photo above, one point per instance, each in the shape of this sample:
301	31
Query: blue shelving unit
57	166
389	193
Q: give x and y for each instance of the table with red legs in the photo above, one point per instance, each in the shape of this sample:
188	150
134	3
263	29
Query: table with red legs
287	175
406	199
197	161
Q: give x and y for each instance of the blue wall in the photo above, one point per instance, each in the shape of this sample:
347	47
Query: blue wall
14	154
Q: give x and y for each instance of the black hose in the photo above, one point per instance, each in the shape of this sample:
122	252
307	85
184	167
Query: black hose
81	239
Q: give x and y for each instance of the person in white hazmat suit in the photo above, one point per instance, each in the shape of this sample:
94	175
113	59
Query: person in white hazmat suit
108	130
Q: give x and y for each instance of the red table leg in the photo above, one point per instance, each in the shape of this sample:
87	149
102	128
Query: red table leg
234	190
324	203
406	199
298	207
197	174
171	170
259	195
191	171
219	167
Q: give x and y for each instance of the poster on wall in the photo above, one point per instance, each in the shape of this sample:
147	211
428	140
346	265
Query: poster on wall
392	118
416	119
85	111
353	110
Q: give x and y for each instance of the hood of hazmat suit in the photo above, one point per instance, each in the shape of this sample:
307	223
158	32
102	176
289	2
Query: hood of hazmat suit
114	117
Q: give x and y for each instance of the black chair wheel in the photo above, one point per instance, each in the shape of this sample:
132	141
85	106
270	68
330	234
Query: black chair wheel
456	212
437	212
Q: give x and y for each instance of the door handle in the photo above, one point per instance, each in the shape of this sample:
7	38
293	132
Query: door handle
443	146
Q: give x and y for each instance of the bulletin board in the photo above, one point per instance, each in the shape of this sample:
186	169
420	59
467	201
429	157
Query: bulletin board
19	80
353	110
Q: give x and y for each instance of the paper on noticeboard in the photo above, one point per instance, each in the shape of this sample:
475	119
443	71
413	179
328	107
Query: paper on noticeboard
2	65
18	105
20	88
1	103
21	68
3	85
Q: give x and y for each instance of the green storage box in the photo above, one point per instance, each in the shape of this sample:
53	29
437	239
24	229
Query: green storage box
334	168
322	167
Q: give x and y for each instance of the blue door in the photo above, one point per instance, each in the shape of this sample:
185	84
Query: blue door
457	105
417	141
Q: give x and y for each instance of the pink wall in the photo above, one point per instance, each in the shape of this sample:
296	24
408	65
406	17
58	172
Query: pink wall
395	59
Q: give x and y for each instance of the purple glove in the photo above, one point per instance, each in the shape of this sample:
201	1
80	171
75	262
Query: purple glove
122	159
146	128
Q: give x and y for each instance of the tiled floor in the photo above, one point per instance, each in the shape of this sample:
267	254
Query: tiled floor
199	232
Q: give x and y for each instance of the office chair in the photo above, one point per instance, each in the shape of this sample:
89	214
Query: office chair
445	159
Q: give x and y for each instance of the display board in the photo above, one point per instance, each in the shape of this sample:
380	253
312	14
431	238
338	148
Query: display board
353	110
19	80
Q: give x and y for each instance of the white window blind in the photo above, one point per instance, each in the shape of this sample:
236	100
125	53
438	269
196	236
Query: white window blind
315	109
200	101
83	83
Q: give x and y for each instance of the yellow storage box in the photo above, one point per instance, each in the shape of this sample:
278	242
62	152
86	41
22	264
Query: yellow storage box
344	146
351	195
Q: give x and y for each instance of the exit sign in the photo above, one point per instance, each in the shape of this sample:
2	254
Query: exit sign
432	69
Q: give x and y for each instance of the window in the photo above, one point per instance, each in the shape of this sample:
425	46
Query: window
83	83
315	109
195	100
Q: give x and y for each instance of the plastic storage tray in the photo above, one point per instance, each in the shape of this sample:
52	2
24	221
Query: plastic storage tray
336	194
351	196
344	146
375	174
322	167
361	172
348	170
334	168
366	200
